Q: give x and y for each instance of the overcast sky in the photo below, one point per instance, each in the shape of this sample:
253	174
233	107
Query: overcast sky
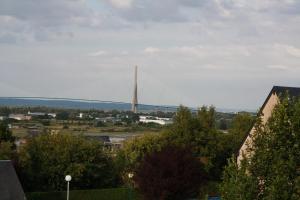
228	53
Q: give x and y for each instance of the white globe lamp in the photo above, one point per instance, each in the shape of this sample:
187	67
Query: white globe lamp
68	178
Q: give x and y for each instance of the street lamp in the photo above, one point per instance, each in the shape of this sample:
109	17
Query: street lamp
130	176
68	178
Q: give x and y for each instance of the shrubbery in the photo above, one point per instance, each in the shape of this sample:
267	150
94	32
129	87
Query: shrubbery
46	159
172	173
272	172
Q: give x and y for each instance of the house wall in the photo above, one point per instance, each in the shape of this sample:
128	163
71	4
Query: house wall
267	112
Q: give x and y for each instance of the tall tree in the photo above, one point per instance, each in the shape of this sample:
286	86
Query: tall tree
206	117
273	168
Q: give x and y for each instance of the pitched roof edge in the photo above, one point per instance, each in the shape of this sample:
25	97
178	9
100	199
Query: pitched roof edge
273	90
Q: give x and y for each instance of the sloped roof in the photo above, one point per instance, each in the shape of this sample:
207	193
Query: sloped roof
10	187
279	90
292	91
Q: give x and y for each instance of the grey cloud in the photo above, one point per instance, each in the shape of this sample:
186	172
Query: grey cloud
149	10
44	13
8	38
38	20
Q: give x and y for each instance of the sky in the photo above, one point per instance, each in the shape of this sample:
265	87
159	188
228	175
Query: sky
226	53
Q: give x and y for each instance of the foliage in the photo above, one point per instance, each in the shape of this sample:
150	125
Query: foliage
172	173
195	130
103	194
64	115
223	124
133	152
274	165
6	151
45	160
5	133
241	124
210	188
7	140
237	184
199	132
45	122
5	111
99	124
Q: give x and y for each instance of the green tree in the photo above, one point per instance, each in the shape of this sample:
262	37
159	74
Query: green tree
64	115
134	151
223	124
274	164
237	184
45	160
5	111
6	151
241	125
5	133
206	117
7	146
194	130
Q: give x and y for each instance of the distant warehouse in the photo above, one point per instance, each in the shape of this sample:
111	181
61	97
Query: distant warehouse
156	120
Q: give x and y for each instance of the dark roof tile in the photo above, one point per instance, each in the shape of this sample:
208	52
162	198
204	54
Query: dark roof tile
10	187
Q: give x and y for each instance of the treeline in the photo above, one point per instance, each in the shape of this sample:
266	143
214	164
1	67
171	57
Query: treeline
73	113
191	147
223	121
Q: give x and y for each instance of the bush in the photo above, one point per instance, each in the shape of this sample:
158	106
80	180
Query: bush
172	173
104	194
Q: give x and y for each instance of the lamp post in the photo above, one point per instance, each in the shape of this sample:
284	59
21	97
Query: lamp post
68	178
130	176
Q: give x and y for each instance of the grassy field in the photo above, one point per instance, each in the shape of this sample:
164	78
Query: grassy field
104	194
23	129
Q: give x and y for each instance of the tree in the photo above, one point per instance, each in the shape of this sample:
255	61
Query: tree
64	115
5	111
46	159
5	133
237	185
195	131
223	124
7	146
134	151
274	165
172	173
206	116
6	151
241	124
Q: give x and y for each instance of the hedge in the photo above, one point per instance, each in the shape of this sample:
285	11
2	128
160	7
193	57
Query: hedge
103	194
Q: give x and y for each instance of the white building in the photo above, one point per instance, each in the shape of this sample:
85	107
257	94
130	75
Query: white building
157	120
53	115
19	117
2	118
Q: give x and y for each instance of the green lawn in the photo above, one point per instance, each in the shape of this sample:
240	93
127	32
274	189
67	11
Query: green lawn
103	194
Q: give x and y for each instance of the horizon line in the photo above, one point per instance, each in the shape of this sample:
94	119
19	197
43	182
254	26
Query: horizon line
84	100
